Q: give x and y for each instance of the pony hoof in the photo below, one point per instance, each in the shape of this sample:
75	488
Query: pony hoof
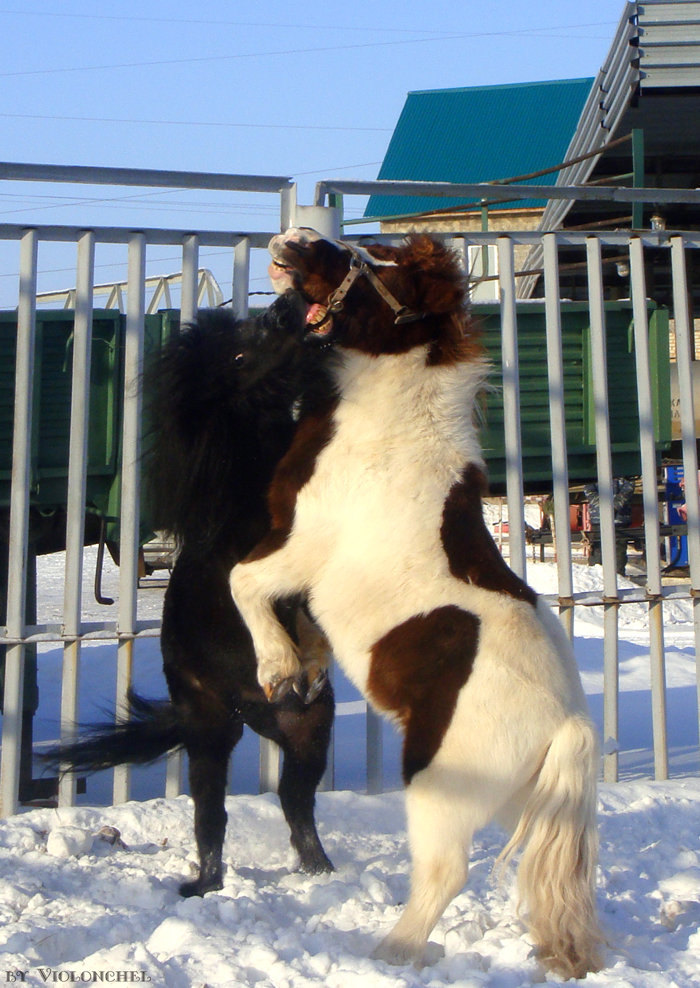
308	691
319	865
199	887
278	688
398	953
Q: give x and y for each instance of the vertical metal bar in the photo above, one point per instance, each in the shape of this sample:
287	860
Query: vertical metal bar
652	536
75	505
288	206
375	749
637	175
557	415
335	201
485	248
190	264
607	514
602	421
511	407
459	246
19	524
241	278
684	351
269	766
173	774
130	489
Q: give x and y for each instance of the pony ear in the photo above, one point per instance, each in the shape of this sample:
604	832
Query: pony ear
384	252
428	245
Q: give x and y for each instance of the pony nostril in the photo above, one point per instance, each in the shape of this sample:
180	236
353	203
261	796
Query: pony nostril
298	246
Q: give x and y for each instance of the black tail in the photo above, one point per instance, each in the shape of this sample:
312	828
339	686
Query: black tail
152	729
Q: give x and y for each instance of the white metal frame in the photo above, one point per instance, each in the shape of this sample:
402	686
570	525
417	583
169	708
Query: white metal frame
127	629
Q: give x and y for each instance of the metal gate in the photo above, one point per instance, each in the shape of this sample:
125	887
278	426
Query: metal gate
669	250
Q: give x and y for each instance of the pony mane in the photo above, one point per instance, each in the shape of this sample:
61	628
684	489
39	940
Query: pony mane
212	440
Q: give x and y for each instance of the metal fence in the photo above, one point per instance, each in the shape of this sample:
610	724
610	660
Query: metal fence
670	249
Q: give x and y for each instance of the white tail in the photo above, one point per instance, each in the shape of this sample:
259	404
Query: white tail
557	830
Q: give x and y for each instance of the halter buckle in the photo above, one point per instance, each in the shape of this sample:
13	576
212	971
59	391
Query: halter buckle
405	315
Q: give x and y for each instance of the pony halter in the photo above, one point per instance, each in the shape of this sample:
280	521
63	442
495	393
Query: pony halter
359	267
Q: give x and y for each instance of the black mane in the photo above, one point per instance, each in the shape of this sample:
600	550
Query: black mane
219	401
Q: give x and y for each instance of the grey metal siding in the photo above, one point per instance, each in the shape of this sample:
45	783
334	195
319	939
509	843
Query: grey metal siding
669	44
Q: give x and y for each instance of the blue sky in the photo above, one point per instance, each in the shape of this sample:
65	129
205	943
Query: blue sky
307	90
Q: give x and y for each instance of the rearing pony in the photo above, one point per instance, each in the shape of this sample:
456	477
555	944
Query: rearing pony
377	517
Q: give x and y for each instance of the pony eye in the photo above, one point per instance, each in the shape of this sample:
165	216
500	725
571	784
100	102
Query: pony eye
239	359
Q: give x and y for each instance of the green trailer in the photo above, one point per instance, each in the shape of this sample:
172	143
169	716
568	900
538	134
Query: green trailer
51	419
578	391
52	400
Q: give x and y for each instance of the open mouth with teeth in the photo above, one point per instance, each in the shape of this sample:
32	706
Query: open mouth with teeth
318	319
289	258
281	266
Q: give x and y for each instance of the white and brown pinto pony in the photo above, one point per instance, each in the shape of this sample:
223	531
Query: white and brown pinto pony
377	518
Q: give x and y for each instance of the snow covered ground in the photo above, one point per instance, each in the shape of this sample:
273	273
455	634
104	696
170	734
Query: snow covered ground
82	903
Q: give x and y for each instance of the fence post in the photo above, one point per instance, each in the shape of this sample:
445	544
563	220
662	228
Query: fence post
511	407
269	766
190	264
19	525
75	506
129	513
607	517
557	415
637	175
324	219
241	278
652	537
375	748
288	205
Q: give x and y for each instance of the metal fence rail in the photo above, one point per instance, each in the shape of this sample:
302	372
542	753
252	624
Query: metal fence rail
127	629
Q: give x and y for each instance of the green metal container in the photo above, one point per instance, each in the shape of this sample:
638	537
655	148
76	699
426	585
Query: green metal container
51	404
158	328
578	390
52	401
53	387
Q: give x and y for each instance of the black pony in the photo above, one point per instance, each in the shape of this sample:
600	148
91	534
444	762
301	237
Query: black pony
221	399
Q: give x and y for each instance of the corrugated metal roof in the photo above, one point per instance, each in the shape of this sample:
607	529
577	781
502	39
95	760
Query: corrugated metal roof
479	134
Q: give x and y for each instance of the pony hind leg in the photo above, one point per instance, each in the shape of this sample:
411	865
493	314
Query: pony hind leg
303	733
440	835
208	770
434	883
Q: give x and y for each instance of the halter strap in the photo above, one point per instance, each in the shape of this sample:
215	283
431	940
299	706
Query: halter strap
358	267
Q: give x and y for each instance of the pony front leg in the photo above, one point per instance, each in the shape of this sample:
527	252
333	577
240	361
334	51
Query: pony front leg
255	585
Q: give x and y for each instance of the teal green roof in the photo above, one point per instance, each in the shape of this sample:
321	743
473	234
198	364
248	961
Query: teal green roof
479	134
